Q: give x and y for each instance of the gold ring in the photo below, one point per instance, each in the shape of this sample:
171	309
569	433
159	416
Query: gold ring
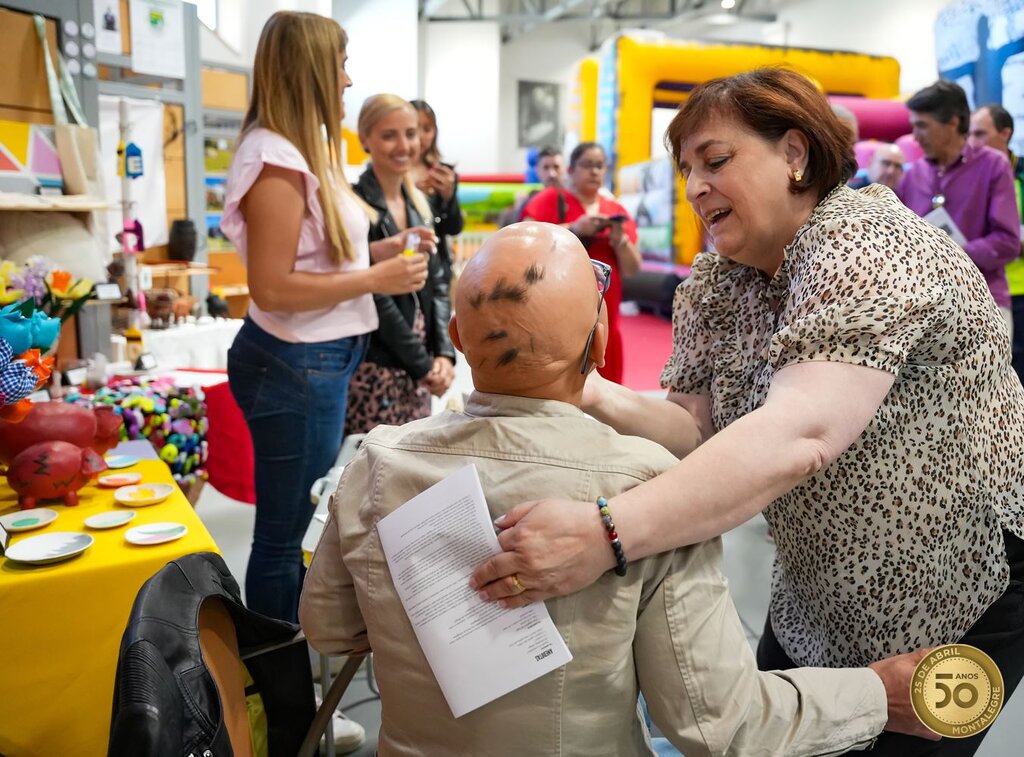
518	583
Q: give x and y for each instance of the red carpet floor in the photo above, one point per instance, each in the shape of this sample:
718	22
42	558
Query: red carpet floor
647	343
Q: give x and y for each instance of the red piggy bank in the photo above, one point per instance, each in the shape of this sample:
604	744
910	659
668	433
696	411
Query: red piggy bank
98	429
52	470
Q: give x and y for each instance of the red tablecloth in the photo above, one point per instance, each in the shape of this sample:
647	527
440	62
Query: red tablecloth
230	461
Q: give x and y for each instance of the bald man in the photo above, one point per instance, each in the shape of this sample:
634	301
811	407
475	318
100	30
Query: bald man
886	165
531	323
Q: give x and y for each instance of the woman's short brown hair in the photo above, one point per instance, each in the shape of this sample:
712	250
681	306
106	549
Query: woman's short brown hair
770	102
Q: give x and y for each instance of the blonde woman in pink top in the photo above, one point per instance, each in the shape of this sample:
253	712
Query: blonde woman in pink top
303	236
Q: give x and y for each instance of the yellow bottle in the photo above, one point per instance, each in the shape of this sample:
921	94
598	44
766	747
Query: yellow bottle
412	241
133	337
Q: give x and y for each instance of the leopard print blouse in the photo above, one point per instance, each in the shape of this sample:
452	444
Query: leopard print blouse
897	544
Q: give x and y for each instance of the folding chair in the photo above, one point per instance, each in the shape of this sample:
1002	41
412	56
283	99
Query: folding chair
180	682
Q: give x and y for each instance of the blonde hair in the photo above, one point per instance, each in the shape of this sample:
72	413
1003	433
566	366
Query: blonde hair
296	92
376	108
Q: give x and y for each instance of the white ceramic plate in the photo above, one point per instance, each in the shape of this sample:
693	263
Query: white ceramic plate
112	519
26	520
121	461
47	548
116	480
155	533
141	495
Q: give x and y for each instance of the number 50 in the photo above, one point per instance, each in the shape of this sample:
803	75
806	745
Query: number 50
957	695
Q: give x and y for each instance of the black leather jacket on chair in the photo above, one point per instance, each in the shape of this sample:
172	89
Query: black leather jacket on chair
394	344
166	703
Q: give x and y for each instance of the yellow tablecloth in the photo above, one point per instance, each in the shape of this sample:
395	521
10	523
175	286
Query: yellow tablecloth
61	624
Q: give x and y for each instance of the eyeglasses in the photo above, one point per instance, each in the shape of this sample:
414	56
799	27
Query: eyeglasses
586	165
603	274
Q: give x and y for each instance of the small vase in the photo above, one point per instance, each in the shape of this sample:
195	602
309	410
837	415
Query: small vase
181	242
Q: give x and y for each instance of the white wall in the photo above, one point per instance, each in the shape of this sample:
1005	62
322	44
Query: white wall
461	83
239	23
547	54
383	49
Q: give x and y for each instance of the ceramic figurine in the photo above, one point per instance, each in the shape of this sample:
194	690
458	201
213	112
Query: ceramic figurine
52	470
98	429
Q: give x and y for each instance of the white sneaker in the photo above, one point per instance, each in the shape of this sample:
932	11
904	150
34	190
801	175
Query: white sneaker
348	734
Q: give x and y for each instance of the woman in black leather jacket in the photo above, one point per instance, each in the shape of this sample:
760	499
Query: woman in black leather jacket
438	181
410	356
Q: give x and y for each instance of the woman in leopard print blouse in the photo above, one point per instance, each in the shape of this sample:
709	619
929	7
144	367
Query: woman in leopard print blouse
844	369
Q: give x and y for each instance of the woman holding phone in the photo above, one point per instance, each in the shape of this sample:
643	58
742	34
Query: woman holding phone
439	182
602	224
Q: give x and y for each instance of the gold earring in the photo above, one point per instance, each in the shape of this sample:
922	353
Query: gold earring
797	175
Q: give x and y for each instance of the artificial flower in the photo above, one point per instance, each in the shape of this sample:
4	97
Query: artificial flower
32	278
61	287
37	330
9	289
7	296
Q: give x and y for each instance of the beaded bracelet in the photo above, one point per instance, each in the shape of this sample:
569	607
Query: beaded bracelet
613	537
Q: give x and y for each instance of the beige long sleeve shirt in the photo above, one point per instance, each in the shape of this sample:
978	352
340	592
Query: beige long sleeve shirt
668	629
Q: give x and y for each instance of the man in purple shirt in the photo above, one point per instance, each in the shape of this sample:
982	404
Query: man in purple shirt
973	183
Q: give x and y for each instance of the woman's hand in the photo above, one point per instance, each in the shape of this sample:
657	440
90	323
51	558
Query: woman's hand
897	674
389	247
588	226
427	243
441	179
594	392
401	274
440	377
617	234
553	547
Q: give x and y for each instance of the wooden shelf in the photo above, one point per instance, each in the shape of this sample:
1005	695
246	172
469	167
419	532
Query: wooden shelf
233	291
179	269
66	203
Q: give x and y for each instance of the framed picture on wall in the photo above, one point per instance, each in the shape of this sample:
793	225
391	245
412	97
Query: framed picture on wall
538	116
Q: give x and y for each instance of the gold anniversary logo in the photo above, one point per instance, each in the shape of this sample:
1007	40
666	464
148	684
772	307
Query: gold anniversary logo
957	691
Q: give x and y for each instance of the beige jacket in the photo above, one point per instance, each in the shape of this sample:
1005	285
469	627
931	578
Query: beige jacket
668	629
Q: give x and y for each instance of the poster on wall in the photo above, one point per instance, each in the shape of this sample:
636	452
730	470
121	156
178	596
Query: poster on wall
107	19
216	161
158	38
980	46
539	114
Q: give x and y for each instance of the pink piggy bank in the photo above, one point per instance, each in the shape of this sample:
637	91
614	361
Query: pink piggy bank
52	470
57	421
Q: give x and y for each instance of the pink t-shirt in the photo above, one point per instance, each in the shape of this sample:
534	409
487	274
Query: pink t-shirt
349	318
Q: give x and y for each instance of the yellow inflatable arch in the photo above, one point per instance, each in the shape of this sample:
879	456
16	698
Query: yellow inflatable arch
619	89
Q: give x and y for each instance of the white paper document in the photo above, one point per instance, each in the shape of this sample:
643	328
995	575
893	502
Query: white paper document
477	651
940	217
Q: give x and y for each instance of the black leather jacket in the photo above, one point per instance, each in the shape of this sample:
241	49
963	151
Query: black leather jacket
448	221
166	703
394	344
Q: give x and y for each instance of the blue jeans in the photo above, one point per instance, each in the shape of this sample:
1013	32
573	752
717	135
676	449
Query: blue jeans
293	398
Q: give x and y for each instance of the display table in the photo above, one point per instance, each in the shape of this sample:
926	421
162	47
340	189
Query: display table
62	623
192	345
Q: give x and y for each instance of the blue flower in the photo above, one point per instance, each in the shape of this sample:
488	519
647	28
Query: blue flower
38	331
